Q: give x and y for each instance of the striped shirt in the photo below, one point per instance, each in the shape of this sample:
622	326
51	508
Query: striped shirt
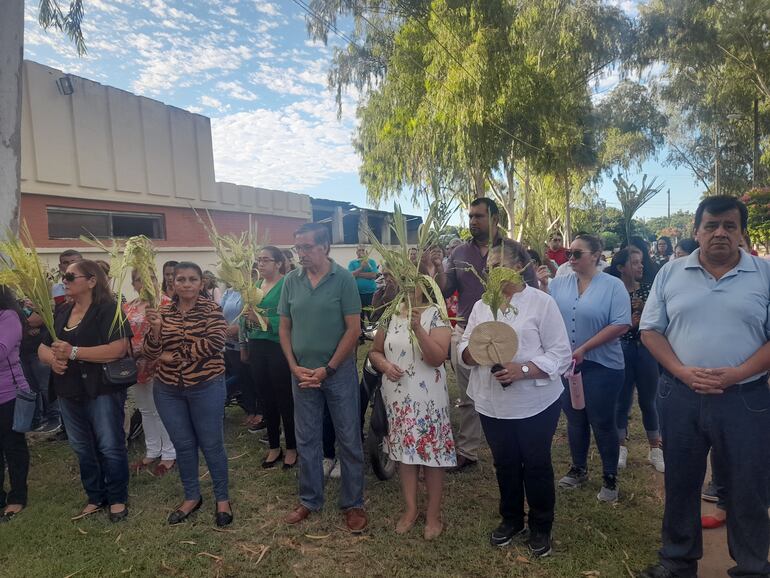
196	338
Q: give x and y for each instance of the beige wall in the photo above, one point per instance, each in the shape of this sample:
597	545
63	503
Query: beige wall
108	144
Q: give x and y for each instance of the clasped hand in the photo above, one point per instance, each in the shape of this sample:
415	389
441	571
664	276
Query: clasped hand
709	381
510	373
309	377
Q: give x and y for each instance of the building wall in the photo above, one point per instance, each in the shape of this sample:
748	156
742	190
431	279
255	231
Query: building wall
182	226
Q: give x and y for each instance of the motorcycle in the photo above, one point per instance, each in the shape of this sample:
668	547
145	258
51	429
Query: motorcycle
371	381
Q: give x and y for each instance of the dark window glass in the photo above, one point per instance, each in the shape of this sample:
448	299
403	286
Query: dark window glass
72	224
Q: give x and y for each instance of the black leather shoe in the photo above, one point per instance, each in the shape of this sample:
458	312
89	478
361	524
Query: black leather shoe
463	464
223	519
271	464
660	571
504	533
178	516
119	516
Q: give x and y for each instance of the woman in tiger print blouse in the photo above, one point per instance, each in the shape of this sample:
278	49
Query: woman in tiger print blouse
187	337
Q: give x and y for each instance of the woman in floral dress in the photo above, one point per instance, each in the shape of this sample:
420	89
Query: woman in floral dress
415	393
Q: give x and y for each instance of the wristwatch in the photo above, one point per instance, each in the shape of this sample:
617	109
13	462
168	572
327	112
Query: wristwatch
330	371
525	370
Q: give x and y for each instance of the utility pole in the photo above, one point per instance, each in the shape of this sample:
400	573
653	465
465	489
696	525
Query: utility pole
669	207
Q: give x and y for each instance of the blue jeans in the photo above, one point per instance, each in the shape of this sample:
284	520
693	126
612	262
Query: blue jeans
95	433
642	372
341	394
194	418
735	426
601	388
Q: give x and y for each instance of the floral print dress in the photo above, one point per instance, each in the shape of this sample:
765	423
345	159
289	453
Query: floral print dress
420	432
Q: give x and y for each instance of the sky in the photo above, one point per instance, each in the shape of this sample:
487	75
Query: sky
250	67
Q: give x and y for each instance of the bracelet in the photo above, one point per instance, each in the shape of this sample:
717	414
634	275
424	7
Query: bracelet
74	353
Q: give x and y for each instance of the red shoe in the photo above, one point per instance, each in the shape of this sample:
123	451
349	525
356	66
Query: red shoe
711	522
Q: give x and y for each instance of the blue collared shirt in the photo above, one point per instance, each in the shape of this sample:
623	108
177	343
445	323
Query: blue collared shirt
711	323
605	302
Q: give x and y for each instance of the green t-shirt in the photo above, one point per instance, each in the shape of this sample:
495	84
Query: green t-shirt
270	305
318	315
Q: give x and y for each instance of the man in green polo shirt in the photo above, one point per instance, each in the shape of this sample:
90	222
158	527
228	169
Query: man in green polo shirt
319	328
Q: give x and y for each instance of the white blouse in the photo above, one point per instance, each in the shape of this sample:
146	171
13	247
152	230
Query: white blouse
543	342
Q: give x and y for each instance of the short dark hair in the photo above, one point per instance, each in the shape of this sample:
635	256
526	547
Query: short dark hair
70	253
719	204
492	207
319	231
188	265
687	245
166	265
620	259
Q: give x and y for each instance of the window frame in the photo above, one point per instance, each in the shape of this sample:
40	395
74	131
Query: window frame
159	217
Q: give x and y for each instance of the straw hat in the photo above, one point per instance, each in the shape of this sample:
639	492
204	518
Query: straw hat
493	342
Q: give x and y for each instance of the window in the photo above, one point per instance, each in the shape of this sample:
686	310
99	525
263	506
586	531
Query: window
72	223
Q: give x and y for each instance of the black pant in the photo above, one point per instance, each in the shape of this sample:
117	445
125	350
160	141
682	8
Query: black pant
15	455
239	378
271	375
521	449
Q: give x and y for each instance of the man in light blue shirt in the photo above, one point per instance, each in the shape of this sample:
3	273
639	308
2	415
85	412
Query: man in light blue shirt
707	322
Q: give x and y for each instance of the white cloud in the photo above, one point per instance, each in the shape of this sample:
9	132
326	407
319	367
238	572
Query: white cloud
236	90
292	148
211	102
266	8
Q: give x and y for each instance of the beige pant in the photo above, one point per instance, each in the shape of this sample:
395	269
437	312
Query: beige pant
468	435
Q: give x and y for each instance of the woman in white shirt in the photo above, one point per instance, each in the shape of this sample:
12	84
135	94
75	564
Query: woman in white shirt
519	405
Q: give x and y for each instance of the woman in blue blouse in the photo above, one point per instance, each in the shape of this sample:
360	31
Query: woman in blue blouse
597	311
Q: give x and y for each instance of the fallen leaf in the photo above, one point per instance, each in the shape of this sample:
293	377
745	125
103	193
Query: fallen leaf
210	555
82	531
522	560
127	570
262	555
118	538
591	573
315	537
188	542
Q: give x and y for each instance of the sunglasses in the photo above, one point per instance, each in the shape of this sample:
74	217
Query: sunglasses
576	254
70	277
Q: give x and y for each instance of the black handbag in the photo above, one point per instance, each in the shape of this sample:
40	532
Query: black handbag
24	408
120	373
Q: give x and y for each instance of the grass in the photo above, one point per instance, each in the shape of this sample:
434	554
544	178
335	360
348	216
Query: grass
590	539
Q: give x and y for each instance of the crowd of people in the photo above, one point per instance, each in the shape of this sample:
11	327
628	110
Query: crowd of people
686	327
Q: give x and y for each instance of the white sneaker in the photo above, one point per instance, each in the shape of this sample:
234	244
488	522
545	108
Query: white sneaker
336	470
328	466
656	459
623	458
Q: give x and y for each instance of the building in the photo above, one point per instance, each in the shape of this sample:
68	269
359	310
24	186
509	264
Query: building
97	160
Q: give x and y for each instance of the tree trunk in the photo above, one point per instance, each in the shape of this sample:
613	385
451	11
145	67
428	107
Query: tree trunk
11	54
567	213
478	182
510	196
525	207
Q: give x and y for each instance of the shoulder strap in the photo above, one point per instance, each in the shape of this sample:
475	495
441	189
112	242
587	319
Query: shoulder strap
13	375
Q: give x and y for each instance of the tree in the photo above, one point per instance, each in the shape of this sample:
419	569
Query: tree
11	55
758	203
680	225
632	198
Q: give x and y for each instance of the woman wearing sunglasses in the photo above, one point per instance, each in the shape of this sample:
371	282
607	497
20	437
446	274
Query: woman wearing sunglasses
597	311
92	409
187	338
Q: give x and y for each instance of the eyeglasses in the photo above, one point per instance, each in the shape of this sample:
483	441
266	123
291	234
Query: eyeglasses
70	277
265	260
304	248
576	254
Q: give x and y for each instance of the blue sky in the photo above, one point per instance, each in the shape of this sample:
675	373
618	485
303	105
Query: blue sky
249	66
